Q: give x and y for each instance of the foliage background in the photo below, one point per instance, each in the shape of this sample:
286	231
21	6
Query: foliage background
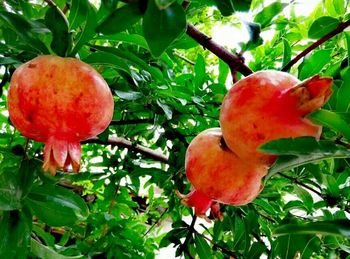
167	88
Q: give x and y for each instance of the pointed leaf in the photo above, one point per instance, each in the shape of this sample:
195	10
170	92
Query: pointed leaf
58	24
265	16
322	26
10	191
332	120
107	59
202	247
78	13
106	8
199	71
314	63
167	110
287	53
121	19
228	7
337	227
300	151
15	230
42	251
87	32
56	206
343	95
162	27
24	29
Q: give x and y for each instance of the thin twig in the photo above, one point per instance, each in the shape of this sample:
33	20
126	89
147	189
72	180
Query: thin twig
122	142
184	246
301	184
340	28
156	223
234	61
223	249
184	58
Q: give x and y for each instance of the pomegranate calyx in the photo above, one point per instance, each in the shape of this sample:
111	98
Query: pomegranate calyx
312	93
198	200
60	154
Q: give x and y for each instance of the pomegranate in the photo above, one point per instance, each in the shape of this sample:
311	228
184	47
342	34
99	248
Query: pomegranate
219	175
59	101
269	105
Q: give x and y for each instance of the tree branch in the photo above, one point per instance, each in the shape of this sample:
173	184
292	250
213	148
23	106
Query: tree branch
234	61
122	142
341	27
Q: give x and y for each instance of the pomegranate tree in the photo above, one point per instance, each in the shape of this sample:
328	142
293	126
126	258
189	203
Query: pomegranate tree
269	105
219	175
59	101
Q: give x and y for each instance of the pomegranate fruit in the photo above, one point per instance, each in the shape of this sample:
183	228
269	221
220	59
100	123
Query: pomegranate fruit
269	105
59	101
219	175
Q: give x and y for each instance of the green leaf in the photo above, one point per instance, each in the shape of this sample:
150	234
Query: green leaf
107	59
300	151
42	251
9	61
335	7
228	7
57	206
133	39
78	13
133	59
291	246
331	120
166	108
264	205
199	71
254	30
106	8
347	38
224	70
162	27
163	4
87	32
322	26
56	21
15	230
129	95
121	19
256	250
202	247
343	94
287	52
266	15
28	170
305	196
24	29
314	64
10	191
294	205
337	227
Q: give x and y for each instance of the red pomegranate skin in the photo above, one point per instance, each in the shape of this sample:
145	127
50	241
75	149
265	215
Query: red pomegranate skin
59	101
269	105
219	174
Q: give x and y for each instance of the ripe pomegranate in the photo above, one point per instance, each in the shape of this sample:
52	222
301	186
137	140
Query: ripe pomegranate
269	105
218	174
59	101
